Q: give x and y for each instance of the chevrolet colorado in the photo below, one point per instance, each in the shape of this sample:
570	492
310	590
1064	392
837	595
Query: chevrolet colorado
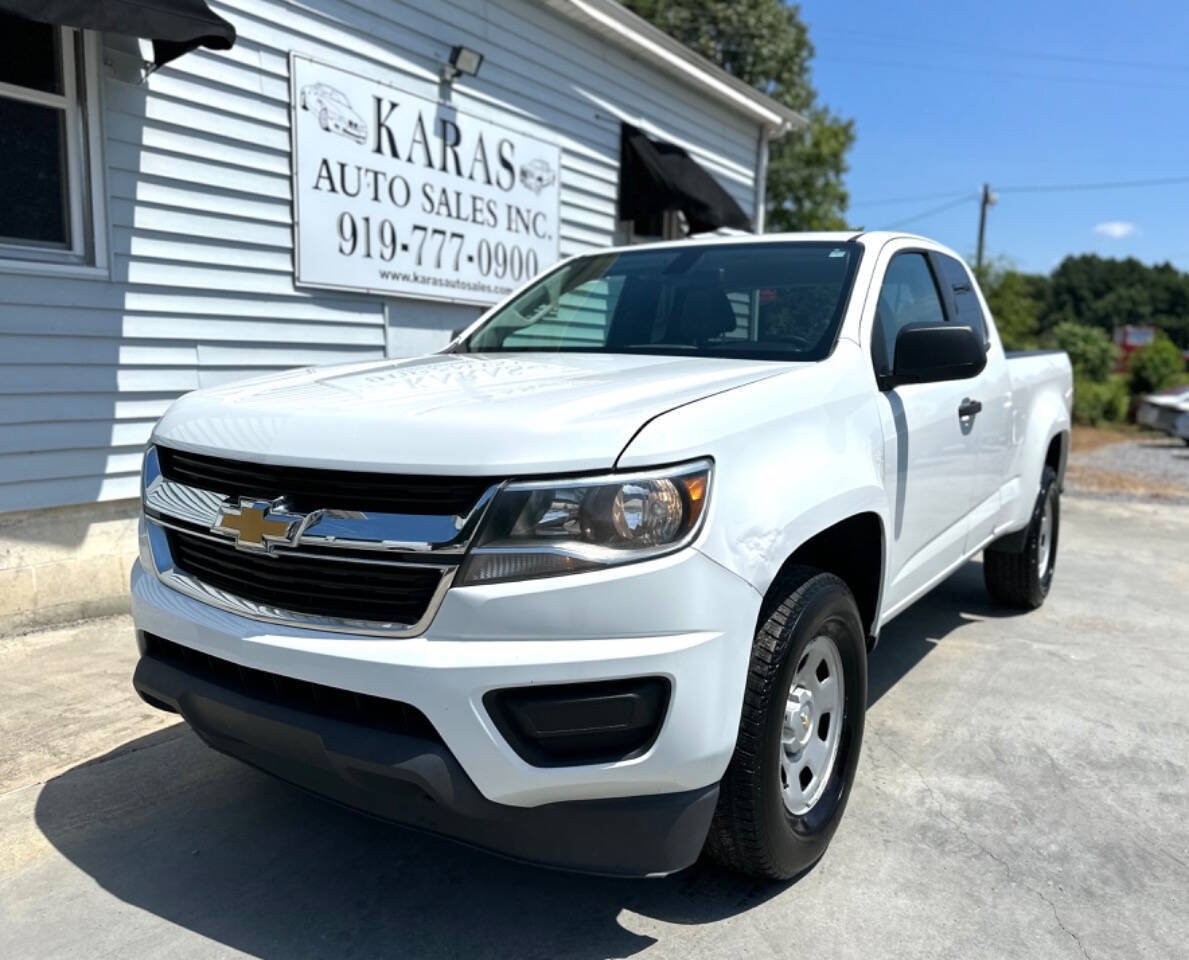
596	585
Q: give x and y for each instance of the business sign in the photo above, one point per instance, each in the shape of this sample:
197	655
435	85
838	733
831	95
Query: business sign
399	195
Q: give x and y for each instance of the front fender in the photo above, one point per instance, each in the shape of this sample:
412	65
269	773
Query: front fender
794	455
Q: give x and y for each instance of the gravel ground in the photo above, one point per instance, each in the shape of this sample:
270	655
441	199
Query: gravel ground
1146	466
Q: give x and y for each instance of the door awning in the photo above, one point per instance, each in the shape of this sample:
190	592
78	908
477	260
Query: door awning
174	26
655	176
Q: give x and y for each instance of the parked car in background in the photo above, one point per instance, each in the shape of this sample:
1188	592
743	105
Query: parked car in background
1167	411
595	587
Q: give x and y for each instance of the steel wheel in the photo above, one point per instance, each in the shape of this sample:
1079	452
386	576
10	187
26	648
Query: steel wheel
812	726
1044	540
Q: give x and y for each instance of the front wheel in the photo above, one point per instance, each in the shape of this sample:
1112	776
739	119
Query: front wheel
1023	579
787	784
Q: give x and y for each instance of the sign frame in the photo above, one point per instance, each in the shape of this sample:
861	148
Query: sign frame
389	295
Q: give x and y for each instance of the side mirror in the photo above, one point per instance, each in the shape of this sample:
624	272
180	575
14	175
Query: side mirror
930	352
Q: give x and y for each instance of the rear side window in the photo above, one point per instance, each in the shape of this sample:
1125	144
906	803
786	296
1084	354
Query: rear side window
968	312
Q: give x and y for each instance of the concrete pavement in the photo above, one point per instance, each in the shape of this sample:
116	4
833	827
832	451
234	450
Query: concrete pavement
1023	792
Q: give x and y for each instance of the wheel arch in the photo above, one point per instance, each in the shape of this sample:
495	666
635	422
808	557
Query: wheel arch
853	549
1057	455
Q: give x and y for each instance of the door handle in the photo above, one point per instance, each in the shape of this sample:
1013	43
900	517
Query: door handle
968	408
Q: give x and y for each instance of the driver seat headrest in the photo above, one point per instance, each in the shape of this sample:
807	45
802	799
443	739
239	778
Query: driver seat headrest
702	315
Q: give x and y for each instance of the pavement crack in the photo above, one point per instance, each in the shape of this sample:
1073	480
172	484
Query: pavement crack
1008	869
1061	923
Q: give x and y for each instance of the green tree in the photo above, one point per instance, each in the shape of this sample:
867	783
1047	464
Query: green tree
1016	302
765	43
1090	350
1156	366
1108	293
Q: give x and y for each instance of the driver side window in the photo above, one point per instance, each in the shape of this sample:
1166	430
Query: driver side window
908	295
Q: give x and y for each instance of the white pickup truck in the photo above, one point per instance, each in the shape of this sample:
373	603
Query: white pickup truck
596	585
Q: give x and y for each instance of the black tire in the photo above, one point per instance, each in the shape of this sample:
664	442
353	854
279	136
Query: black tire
1022	579
753	831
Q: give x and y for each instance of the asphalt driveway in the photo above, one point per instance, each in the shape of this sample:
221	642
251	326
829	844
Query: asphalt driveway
1023	792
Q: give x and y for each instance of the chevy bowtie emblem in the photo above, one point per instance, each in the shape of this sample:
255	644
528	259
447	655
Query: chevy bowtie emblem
256	527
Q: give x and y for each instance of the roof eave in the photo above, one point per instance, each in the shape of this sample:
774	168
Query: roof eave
647	42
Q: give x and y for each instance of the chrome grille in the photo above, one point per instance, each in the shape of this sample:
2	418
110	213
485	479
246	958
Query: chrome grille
337	564
310	583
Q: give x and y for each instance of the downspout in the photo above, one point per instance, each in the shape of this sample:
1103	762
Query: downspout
763	141
761	183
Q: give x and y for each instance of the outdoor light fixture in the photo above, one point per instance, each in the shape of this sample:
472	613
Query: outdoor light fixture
462	60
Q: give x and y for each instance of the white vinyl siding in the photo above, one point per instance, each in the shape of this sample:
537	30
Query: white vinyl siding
198	198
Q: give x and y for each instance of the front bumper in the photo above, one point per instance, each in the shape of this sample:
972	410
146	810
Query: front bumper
682	617
418	783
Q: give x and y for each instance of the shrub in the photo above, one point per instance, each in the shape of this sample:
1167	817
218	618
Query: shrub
1090	349
1157	365
1118	406
1097	402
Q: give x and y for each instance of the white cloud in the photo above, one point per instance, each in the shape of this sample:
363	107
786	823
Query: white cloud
1115	229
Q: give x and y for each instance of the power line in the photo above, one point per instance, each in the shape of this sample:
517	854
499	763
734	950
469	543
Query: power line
949	43
1036	188
1109	185
920	198
966	198
1011	74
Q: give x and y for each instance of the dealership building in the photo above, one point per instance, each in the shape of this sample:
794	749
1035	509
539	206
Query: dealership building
196	194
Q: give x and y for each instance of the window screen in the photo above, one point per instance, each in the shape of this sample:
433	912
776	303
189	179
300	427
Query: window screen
34	113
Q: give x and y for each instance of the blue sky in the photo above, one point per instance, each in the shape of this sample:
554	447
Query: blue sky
947	96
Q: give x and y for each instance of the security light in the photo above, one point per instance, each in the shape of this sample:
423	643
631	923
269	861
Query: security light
462	60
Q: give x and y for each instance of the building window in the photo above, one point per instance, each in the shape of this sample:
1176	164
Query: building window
48	147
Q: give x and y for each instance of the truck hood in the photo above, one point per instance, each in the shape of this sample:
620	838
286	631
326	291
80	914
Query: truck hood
464	414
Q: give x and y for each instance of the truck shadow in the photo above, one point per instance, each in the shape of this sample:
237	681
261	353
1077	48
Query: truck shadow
170	827
176	830
915	633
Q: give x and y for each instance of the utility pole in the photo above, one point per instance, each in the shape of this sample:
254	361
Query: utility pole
988	199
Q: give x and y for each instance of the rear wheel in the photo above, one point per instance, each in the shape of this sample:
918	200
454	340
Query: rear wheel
1023	579
786	787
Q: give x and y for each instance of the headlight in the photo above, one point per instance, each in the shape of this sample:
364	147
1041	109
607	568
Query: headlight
545	528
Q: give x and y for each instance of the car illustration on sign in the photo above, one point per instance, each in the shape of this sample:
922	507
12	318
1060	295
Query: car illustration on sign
333	110
537	175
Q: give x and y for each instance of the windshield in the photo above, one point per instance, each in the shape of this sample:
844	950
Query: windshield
773	301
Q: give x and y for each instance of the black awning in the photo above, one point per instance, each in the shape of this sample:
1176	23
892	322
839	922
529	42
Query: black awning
655	176
174	26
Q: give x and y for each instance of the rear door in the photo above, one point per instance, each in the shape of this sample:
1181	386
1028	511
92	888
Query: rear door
991	427
930	455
